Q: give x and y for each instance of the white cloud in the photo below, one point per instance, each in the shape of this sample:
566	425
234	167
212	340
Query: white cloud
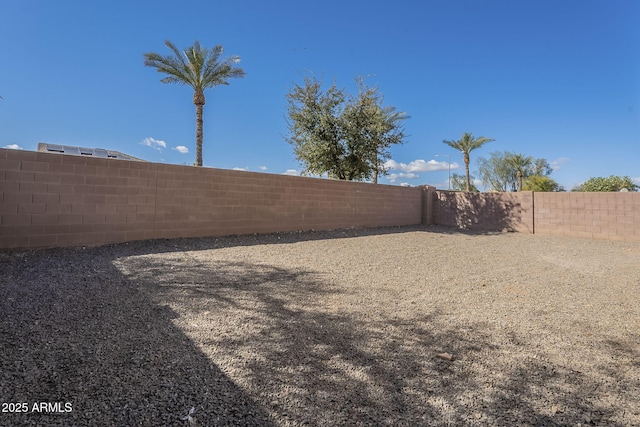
241	169
291	172
419	166
393	177
13	147
557	163
636	180
156	144
262	168
181	149
408	170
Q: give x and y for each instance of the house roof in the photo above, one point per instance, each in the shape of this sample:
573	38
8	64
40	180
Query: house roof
82	151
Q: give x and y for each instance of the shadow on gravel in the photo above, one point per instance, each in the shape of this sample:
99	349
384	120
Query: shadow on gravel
76	334
99	328
319	364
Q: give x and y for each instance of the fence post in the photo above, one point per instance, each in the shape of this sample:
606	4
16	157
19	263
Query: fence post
428	198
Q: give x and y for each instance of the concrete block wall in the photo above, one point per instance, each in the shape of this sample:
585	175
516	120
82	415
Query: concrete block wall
485	211
61	200
612	216
51	200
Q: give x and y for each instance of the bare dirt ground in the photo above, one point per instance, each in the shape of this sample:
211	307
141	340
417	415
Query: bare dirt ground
324	329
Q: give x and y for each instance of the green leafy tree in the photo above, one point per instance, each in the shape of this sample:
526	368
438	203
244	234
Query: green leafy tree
387	131
345	137
201	69
371	128
612	183
506	171
459	183
316	131
541	167
496	172
466	145
541	184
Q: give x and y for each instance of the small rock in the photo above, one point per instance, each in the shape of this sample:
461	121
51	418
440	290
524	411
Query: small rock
445	356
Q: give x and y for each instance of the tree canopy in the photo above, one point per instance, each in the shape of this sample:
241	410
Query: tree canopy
459	183
347	137
612	183
508	171
541	184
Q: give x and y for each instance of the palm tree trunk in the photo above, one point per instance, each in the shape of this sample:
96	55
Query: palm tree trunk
199	134
519	180
198	100
466	167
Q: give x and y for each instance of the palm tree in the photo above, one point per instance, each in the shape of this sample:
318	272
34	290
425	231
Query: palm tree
465	145
522	165
199	68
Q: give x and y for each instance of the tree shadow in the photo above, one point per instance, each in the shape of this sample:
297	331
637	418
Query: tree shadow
311	361
480	212
136	334
74	330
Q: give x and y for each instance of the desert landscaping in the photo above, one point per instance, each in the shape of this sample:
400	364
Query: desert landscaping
409	326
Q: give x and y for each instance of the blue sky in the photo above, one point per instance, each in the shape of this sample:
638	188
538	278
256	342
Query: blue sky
546	78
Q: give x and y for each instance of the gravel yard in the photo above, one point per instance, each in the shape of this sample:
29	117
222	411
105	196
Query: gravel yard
324	329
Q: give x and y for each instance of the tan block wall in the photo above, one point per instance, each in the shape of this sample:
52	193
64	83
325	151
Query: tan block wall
60	200
485	211
612	216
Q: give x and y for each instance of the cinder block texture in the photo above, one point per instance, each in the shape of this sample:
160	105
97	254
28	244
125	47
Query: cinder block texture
50	200
612	216
53	200
485	211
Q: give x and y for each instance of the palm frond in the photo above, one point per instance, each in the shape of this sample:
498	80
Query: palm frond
196	66
217	73
467	143
195	56
177	54
172	65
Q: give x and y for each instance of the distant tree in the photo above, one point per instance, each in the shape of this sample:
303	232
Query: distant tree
541	167
541	184
345	137
496	172
201	69
507	171
612	183
521	164
466	145
459	183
